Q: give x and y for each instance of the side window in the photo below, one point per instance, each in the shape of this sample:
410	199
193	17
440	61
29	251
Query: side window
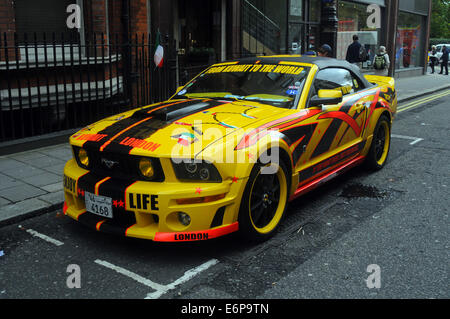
336	79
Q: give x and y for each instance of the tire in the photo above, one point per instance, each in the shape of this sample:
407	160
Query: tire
263	203
381	143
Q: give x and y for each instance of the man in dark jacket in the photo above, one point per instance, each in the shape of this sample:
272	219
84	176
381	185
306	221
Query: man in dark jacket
444	59
353	51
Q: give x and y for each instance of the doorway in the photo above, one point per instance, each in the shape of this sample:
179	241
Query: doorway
199	34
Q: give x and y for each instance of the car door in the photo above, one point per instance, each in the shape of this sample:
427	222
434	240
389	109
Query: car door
339	126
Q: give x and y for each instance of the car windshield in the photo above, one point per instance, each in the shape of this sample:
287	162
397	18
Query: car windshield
279	85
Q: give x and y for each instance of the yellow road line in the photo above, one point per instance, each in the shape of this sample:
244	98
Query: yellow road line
427	98
422	101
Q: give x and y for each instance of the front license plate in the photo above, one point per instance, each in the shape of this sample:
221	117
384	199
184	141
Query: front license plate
99	205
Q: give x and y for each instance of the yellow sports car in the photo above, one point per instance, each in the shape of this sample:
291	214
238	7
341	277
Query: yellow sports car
229	150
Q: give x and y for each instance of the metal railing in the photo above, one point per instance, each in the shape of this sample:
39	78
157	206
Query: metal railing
260	35
64	82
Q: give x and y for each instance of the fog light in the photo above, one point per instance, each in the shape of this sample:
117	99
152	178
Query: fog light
146	168
184	218
83	157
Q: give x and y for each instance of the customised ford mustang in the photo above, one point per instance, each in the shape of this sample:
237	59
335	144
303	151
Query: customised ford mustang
229	150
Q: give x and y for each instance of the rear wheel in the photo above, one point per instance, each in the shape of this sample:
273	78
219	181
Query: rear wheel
264	202
381	142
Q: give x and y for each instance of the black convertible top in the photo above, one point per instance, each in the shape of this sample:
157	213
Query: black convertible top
321	62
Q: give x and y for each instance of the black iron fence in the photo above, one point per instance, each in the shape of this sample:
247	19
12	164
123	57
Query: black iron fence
55	82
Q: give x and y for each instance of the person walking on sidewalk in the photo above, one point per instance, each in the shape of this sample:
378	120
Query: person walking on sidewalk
434	60
444	60
354	51
381	62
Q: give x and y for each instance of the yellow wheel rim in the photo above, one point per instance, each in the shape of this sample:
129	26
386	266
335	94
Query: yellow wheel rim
267	200
382	142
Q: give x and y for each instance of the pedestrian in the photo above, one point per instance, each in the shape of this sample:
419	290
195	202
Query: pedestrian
434	60
406	55
381	62
325	51
444	60
353	51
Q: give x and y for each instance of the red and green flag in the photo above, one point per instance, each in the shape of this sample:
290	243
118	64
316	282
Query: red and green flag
159	52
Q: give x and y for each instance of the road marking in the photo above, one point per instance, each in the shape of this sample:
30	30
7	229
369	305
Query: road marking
415	140
130	274
159	289
422	101
188	275
43	237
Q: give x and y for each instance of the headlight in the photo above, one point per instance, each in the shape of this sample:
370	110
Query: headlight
146	168
82	157
202	171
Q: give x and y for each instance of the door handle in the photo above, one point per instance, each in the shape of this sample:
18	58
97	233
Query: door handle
359	107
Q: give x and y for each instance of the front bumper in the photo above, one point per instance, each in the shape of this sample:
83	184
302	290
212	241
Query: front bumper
149	210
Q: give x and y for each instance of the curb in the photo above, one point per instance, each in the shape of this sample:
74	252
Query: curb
19	215
423	93
14	218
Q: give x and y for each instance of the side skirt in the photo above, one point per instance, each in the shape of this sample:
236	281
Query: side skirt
326	177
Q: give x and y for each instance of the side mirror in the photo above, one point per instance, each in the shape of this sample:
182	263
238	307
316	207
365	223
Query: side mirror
326	97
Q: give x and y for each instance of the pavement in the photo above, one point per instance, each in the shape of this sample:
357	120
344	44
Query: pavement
31	181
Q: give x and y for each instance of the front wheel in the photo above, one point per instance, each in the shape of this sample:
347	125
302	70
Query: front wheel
381	142
264	201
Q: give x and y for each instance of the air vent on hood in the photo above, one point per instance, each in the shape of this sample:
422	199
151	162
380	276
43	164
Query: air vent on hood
179	111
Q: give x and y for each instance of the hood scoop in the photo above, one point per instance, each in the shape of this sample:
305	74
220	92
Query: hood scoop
173	113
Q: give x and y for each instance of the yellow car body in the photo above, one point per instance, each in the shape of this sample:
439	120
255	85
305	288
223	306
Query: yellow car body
104	183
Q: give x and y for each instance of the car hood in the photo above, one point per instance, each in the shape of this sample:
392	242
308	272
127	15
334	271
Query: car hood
177	128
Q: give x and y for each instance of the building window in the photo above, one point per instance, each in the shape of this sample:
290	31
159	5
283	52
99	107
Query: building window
353	20
43	16
409	43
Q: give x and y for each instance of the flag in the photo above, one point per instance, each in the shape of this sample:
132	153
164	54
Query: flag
159	52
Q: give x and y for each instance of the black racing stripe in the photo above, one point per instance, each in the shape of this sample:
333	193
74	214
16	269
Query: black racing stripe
142	131
90	220
120	125
348	104
327	138
160	119
122	219
87	182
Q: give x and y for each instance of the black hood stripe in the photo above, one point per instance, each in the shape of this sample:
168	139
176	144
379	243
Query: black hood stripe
150	121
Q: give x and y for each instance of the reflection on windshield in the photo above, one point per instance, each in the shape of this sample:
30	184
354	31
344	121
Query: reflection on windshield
277	85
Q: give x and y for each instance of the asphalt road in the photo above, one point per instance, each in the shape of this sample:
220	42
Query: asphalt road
395	220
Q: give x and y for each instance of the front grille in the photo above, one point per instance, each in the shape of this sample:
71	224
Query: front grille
120	165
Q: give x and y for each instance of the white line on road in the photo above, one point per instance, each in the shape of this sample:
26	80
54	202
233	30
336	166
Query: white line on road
159	289
131	275
44	237
188	275
415	140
